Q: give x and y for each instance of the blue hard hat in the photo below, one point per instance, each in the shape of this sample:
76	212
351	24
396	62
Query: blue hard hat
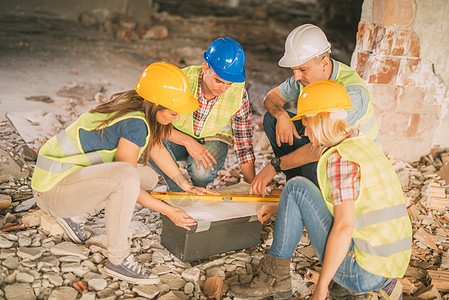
227	59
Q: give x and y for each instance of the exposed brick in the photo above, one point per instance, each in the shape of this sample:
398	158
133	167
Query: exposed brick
398	13
395	124
406	44
414	99
362	64
421	124
384	97
378	11
364	38
383	40
384	70
409	72
414	125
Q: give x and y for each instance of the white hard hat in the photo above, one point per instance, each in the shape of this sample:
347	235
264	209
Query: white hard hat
304	43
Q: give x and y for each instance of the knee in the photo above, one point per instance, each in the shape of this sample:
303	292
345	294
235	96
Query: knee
297	186
126	175
148	177
202	177
269	122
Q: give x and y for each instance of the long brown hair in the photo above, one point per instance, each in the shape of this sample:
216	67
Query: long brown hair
123	103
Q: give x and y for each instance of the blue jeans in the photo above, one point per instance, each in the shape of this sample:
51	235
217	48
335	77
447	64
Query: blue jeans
301	204
199	178
308	170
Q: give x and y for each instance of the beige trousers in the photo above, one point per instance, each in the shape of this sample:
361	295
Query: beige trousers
114	186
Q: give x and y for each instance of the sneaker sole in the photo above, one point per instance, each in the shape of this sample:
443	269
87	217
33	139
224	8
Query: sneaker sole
68	230
131	279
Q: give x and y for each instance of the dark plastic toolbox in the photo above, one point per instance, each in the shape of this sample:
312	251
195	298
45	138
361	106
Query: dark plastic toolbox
221	227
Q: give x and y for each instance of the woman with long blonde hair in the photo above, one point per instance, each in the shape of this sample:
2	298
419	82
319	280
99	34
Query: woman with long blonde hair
356	220
92	164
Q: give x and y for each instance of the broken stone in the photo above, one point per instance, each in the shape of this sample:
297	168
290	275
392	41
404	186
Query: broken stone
19	291
5	201
44	99
68	248
82	91
148	291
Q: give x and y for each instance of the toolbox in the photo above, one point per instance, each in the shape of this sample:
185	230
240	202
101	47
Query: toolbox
224	223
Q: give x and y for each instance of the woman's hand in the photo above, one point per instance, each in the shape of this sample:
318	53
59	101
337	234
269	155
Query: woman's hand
198	190
266	212
180	218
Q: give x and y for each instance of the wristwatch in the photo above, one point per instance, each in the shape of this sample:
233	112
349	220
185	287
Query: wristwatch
276	163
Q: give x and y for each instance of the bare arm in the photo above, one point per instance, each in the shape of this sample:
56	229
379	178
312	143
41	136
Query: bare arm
129	152
301	156
197	151
285	129
336	247
248	171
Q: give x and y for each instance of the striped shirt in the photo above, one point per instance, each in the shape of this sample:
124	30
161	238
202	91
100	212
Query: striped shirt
241	123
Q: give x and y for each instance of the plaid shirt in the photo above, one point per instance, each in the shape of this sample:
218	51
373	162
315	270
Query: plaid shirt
241	123
344	178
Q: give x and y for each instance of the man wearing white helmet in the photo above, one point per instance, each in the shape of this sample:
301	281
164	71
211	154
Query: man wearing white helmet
307	53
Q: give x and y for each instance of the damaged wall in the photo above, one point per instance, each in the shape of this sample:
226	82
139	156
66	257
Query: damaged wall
400	53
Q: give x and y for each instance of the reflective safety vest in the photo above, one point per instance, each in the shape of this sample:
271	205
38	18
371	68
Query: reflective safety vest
218	120
382	233
366	124
63	154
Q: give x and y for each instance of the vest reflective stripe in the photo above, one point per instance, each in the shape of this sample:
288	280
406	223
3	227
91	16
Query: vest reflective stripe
66	144
379	216
63	154
51	165
94	158
218	119
70	149
367	123
385	250
382	231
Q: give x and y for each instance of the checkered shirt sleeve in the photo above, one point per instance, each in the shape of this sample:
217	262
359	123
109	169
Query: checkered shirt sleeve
344	178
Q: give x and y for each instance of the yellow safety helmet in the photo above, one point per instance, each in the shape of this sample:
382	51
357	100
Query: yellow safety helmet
166	85
321	96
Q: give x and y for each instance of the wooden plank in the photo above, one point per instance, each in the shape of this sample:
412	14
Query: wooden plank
220	197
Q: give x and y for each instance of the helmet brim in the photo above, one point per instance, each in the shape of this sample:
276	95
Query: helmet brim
231	77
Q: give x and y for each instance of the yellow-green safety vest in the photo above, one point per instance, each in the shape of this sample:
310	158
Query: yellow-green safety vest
367	124
219	119
63	154
382	233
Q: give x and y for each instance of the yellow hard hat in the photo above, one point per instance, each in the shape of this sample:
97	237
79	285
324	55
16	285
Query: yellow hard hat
321	96
166	85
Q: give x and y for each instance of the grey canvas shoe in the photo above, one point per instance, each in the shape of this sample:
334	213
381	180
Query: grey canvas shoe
131	271
75	231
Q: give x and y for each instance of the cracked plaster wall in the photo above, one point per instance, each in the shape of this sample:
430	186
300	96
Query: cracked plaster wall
401	55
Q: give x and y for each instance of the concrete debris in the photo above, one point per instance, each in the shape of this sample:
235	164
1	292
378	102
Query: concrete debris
81	91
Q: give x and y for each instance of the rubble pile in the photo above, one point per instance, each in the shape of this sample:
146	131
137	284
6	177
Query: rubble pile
38	262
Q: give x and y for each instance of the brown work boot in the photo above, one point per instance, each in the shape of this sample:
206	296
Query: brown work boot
337	292
272	280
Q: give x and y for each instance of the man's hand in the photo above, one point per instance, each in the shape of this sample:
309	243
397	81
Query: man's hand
180	218
285	130
201	155
266	212
261	180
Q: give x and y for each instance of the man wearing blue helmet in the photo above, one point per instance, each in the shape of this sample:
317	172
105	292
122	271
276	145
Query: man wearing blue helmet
223	118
